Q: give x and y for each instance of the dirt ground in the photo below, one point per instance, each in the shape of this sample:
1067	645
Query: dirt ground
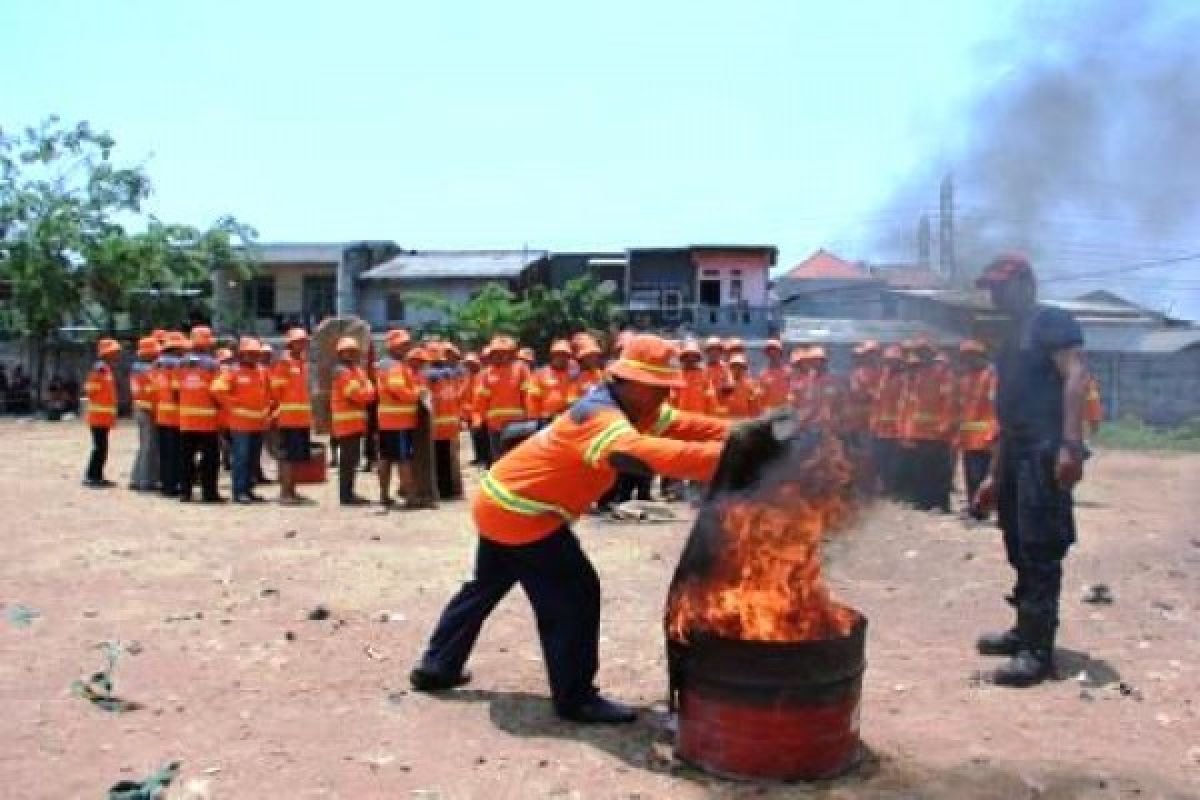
257	701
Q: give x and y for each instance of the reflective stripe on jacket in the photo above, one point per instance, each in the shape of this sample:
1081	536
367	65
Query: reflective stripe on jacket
101	390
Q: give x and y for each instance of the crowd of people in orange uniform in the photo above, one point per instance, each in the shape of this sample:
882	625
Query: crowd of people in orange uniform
903	410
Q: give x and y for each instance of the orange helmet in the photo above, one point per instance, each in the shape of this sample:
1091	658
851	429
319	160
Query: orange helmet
296	335
714	343
107	347
503	344
176	341
247	345
348	344
561	347
148	347
202	337
649	360
738	360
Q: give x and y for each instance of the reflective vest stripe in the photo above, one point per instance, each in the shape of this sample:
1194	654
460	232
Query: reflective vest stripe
977	426
388	408
145	405
442	420
604	439
666	415
294	407
197	411
164	406
505	412
344	416
249	413
96	408
511	501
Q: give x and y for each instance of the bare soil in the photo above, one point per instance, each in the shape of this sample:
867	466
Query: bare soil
258	701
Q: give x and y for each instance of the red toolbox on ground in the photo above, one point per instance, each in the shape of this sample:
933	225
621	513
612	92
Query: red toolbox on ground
315	470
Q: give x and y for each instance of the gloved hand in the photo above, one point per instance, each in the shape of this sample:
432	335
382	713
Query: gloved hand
751	446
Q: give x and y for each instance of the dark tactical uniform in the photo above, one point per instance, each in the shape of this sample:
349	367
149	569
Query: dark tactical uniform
1036	516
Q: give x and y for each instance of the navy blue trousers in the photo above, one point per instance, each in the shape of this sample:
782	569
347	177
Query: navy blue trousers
564	590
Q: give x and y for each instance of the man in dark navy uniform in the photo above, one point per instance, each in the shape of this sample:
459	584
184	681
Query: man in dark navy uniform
1042	384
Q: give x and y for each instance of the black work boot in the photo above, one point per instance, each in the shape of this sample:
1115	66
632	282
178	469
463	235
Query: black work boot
599	710
424	679
1028	667
1007	643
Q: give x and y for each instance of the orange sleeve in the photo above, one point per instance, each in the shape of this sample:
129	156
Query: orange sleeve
696	461
675	424
533	396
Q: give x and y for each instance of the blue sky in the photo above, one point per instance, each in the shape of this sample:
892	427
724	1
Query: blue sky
490	124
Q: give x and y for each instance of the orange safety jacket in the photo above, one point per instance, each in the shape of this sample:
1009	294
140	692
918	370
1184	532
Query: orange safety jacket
500	398
1093	409
817	398
977	426
447	407
553	477
244	392
290	400
744	400
860	398
351	394
222	409
470	386
584	382
697	395
197	406
166	391
142	386
885	411
775	383
101	390
928	412
548	393
720	380
398	387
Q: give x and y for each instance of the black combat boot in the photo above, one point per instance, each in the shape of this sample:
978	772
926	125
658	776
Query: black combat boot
1034	660
1007	643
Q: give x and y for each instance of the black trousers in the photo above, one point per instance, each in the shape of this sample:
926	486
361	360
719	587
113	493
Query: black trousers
449	480
564	590
930	471
169	459
884	451
349	451
481	447
99	456
1038	521
976	464
201	445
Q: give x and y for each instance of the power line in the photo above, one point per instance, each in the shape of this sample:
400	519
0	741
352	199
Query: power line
1161	262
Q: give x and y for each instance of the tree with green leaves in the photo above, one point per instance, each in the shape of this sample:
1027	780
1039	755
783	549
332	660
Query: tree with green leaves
537	319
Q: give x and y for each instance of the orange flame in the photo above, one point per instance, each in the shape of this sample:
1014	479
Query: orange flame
766	581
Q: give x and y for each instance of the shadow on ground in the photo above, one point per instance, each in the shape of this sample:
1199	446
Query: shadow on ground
647	745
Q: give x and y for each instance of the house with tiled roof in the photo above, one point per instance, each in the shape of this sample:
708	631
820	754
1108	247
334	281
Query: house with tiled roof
826	285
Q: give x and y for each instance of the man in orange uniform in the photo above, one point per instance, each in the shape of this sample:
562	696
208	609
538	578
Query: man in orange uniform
928	425
860	392
798	388
775	379
977	427
550	387
717	369
397	386
198	419
101	390
144	475
525	508
444	378
166	411
885	417
526	356
744	399
244	391
817	397
292	410
1093	410
696	395
470	386
591	366
501	395
352	392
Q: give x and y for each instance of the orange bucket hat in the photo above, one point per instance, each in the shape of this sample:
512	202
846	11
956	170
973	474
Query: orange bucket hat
714	343
561	346
649	360
1003	269
397	337
691	349
247	345
147	347
296	335
347	343
738	360
503	344
735	345
224	354
106	347
176	341
893	353
159	335
421	354
972	346
202	336
774	344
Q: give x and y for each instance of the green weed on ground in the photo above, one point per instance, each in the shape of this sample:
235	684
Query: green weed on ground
1133	434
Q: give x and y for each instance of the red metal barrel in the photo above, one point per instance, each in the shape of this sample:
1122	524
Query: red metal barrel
778	710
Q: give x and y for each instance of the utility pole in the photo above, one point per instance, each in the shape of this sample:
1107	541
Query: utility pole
946	256
924	242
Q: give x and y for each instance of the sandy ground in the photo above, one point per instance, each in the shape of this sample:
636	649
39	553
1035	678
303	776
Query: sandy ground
259	702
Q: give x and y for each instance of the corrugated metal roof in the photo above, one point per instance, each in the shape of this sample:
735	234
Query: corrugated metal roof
435	264
850	331
1131	339
299	252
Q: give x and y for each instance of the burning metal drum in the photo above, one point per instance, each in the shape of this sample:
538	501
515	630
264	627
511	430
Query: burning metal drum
777	710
